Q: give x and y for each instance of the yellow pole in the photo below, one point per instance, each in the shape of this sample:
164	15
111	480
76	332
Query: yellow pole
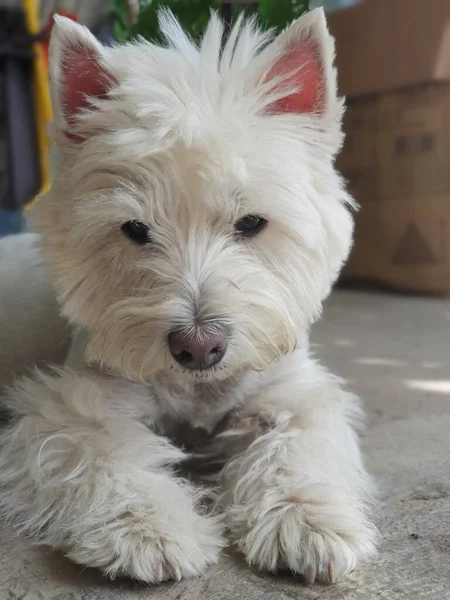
42	103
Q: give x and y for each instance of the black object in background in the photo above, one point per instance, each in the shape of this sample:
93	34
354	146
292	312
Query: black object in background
17	111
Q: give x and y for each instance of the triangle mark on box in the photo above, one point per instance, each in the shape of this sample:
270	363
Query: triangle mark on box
413	249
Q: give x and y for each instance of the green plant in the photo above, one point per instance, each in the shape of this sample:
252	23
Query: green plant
279	13
194	15
121	19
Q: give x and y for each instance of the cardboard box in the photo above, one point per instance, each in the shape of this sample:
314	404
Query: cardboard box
358	160
387	44
396	157
414	141
411	253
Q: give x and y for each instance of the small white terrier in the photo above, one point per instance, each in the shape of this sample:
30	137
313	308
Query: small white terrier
194	227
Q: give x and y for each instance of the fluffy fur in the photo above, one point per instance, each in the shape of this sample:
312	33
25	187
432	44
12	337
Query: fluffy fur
188	140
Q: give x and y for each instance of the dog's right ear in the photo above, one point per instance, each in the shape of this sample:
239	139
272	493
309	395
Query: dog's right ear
299	73
79	74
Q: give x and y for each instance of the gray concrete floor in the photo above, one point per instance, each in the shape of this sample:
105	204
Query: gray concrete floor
394	352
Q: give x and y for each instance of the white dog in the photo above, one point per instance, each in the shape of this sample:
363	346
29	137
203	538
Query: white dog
194	227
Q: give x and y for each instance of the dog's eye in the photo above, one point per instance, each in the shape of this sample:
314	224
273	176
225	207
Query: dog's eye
136	231
250	225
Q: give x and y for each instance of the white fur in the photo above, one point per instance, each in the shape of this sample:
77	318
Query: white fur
186	142
83	474
296	495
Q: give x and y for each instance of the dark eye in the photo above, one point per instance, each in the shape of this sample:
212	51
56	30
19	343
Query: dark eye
136	231
250	225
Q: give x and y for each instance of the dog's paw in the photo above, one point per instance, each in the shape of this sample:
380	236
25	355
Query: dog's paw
153	550
311	532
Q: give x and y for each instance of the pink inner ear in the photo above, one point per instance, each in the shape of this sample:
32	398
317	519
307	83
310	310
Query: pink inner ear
303	62
82	77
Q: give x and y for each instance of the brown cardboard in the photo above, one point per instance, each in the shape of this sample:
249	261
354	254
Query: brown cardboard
401	233
366	260
396	156
411	253
387	44
402	237
414	141
358	161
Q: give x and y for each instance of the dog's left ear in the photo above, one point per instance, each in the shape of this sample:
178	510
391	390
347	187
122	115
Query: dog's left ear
79	74
300	77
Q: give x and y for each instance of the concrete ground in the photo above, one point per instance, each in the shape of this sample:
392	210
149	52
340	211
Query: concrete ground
394	352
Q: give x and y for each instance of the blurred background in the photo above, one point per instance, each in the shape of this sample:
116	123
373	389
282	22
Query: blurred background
393	59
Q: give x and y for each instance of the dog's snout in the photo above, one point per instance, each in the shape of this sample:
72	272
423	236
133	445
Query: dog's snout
198	350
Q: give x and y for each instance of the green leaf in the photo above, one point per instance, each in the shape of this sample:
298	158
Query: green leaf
192	14
121	25
279	13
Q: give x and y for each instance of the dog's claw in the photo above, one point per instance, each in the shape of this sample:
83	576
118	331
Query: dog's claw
159	573
310	575
331	576
177	573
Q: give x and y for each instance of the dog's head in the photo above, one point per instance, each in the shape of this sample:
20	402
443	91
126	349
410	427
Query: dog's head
196	221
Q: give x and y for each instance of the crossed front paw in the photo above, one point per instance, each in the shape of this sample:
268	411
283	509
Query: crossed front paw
311	532
141	546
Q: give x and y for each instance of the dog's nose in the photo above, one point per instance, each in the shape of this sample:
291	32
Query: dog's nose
198	350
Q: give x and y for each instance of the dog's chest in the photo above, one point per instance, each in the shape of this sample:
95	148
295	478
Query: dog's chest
185	435
191	415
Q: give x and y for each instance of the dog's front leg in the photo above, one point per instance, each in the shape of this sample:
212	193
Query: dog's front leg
297	497
80	473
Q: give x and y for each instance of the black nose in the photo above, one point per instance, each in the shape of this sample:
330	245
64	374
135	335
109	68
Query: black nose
198	350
